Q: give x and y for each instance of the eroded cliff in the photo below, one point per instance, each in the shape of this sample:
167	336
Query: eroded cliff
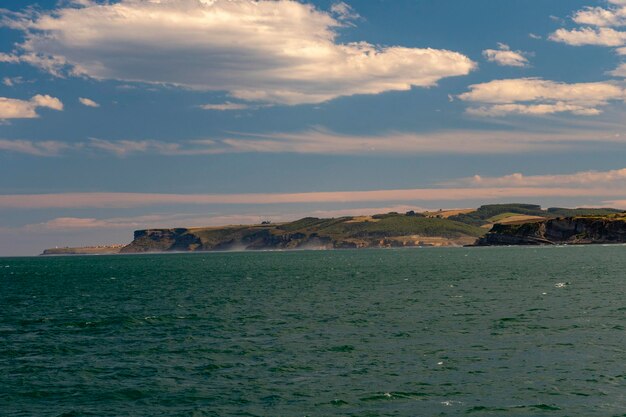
389	230
570	230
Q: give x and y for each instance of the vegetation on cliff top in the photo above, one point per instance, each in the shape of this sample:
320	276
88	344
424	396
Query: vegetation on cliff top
494	213
391	229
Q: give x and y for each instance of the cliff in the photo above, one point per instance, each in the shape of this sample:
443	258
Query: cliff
569	230
388	230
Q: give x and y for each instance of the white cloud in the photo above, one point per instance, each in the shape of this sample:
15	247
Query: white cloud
598	16
504	56
47	101
88	102
268	51
612	178
589	36
225	106
11	108
535	96
597	26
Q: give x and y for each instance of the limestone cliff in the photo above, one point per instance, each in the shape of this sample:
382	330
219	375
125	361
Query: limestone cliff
570	230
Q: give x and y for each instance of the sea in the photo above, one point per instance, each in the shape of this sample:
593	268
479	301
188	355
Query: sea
509	331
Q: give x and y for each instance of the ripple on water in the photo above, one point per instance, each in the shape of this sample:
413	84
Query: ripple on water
354	333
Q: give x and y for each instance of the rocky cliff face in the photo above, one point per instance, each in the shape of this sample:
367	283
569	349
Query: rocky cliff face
391	230
571	230
161	240
167	240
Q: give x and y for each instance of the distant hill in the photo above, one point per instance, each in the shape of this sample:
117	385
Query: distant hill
85	250
435	228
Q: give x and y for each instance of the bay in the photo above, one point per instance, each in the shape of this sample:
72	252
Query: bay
520	331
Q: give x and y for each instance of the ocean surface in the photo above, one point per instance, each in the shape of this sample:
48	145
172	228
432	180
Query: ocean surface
419	332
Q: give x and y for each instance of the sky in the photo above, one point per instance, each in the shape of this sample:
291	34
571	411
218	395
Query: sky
128	114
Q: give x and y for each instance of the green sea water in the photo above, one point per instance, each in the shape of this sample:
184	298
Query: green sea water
420	332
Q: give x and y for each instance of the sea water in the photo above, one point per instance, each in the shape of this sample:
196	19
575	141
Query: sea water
417	332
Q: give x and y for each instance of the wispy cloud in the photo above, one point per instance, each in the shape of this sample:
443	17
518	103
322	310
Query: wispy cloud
611	179
12	81
126	147
228	106
215	45
323	142
620	204
128	200
88	102
40	148
344	11
146	221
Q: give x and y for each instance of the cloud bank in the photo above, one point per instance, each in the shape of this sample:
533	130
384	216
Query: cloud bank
130	200
282	52
324	142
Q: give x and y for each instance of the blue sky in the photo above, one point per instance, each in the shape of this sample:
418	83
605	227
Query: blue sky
129	114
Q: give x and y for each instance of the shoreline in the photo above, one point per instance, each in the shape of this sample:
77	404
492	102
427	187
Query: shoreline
565	245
